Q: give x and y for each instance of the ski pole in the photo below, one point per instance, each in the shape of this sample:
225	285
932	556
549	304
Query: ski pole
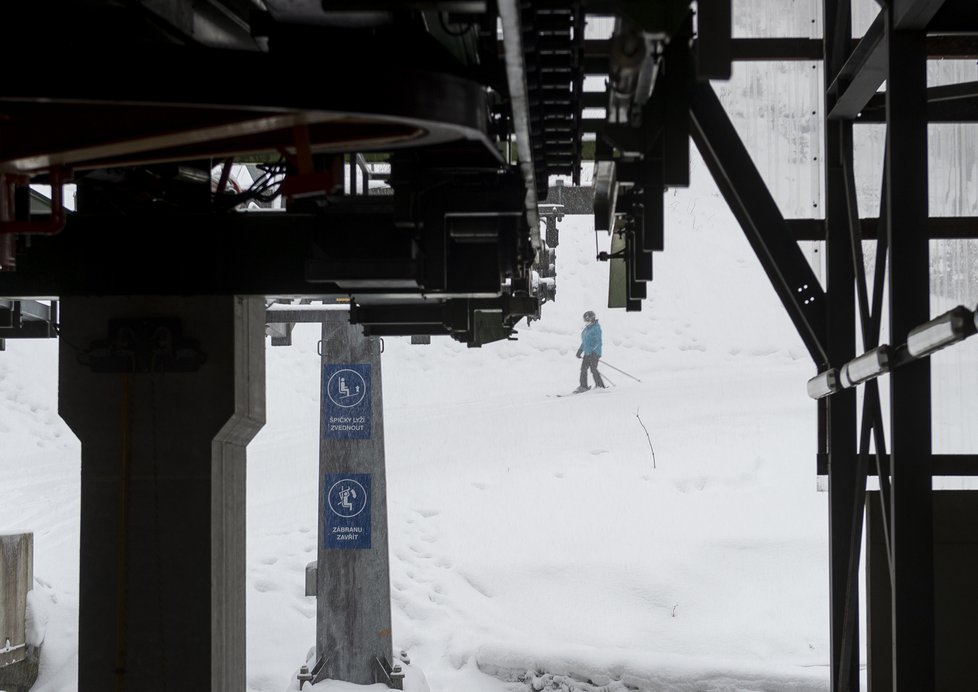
604	362
605	377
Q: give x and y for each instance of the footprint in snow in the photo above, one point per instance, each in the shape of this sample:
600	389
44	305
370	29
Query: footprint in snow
597	452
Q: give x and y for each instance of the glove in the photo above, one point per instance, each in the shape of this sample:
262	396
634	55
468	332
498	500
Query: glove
578	353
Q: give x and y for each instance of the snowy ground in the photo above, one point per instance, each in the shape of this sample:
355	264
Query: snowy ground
531	533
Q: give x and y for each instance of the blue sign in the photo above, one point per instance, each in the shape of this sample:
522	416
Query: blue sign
346	401
347	510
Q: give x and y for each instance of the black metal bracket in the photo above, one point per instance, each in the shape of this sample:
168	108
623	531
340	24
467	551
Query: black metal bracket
28	319
390	675
319	671
149	345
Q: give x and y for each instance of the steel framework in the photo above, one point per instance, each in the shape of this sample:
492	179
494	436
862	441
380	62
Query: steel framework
472	125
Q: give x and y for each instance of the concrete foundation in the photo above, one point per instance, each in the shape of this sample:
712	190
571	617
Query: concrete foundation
353	630
163	437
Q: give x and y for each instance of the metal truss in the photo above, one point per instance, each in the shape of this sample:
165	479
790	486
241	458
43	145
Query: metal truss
645	157
894	49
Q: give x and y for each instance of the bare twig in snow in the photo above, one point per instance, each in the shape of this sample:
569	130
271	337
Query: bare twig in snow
648	437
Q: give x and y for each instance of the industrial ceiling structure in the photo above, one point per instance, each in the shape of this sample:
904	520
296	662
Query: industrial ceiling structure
472	106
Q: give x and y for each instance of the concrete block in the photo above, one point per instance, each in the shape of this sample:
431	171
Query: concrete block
311	575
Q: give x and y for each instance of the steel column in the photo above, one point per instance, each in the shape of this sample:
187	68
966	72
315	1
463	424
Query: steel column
844	527
910	406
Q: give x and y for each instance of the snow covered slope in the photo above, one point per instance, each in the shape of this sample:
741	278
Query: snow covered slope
531	534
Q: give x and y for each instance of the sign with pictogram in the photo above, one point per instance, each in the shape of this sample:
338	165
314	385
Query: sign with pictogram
347	510
346	402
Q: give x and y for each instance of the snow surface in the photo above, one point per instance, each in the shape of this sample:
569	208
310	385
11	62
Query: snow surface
532	541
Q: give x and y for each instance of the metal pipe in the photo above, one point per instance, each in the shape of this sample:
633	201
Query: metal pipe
509	14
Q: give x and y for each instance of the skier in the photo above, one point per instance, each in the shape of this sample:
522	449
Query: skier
590	350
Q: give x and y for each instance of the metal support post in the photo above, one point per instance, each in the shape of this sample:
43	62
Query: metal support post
841	344
353	630
910	407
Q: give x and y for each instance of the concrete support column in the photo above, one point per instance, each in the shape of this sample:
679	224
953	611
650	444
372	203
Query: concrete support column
353	629
164	394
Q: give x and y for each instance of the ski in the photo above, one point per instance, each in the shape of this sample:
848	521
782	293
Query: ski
575	392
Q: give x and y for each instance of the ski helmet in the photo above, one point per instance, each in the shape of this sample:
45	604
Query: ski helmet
589	316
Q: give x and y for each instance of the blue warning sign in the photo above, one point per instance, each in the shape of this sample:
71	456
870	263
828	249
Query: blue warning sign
347	510
346	402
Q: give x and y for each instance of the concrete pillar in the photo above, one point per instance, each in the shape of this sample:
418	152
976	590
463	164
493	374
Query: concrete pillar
164	394
353	627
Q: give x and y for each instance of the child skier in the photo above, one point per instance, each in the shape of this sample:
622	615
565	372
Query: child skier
590	350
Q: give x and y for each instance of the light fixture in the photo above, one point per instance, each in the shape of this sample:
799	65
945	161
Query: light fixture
951	327
824	383
871	364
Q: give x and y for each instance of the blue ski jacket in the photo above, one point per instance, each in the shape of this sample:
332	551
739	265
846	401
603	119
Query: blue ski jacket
591	339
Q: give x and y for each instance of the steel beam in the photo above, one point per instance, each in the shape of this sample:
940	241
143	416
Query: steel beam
758	214
779	49
952	465
910	408
862	74
675	110
914	14
945	46
950	103
713	48
938	227
866	70
956	17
